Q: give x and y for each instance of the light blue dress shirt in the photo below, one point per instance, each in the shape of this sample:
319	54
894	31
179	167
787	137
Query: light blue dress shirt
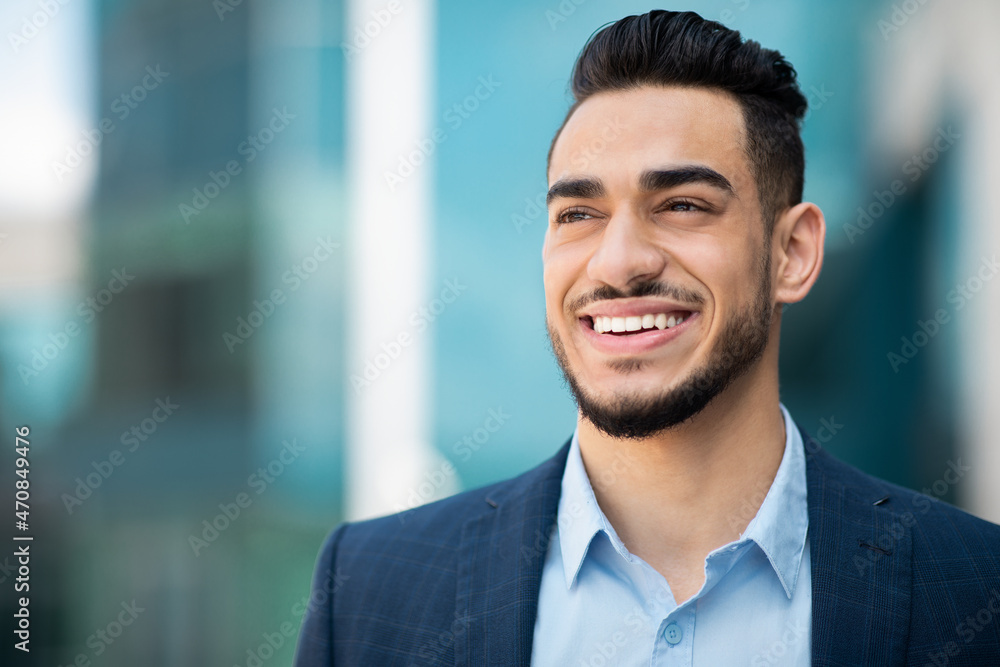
600	605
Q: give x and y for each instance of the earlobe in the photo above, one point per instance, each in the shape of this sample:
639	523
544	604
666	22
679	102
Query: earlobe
800	233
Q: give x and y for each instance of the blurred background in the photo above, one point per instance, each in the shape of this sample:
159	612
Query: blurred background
268	266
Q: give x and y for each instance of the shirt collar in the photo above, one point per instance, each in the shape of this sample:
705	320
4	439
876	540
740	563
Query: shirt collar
579	515
779	527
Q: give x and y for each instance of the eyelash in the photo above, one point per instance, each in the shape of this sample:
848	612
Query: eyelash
680	201
666	206
561	218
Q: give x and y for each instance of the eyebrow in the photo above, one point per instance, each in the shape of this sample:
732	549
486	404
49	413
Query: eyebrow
577	188
662	179
650	181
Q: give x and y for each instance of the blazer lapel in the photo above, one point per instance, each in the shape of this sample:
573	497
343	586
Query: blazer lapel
860	557
859	545
500	567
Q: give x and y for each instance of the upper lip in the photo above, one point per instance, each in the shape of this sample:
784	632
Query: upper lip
632	308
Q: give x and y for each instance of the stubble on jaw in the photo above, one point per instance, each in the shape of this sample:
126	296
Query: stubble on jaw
633	416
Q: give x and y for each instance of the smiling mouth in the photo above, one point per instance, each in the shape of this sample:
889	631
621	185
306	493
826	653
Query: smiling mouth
635	324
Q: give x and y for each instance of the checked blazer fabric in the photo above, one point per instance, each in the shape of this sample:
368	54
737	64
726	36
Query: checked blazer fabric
897	577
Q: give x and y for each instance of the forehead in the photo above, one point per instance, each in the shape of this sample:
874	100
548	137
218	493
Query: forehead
629	131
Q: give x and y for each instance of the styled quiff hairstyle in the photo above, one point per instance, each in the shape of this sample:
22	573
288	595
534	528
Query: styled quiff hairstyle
663	48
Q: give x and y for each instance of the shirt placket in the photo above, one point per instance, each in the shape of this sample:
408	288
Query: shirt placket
674	643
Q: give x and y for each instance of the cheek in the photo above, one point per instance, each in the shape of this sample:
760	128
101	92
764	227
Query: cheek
734	274
560	271
724	268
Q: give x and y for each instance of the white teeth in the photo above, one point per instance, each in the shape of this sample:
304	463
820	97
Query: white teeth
604	324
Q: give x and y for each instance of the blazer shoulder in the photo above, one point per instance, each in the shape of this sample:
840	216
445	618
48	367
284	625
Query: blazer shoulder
937	525
441	522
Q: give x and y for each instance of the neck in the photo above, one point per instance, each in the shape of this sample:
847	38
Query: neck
677	495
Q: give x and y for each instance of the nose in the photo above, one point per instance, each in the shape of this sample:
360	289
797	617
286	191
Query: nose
626	252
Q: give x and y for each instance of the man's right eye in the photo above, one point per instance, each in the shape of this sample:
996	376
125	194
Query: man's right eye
572	215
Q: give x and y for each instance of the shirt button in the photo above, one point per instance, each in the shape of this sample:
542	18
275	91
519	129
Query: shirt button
673	634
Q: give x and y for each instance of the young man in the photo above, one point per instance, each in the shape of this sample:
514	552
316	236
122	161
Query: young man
687	520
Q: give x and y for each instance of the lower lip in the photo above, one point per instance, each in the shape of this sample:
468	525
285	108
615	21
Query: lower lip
636	343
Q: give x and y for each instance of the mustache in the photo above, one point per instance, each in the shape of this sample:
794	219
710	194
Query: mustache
682	295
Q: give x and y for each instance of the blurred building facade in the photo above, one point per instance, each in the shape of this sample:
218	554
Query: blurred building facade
237	314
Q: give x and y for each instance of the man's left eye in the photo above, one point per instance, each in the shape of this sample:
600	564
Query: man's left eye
680	205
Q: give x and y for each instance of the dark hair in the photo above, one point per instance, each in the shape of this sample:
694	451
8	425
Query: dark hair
665	48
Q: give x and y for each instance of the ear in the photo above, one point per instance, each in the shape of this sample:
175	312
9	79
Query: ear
799	234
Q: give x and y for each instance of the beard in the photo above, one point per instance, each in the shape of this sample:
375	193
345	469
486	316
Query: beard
636	416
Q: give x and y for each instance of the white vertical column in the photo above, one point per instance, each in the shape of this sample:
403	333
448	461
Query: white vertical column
51	138
949	52
389	101
977	54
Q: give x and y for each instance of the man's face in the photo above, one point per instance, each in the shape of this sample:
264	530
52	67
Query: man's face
657	272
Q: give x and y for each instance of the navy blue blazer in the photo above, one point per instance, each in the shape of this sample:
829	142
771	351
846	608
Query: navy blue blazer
898	578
